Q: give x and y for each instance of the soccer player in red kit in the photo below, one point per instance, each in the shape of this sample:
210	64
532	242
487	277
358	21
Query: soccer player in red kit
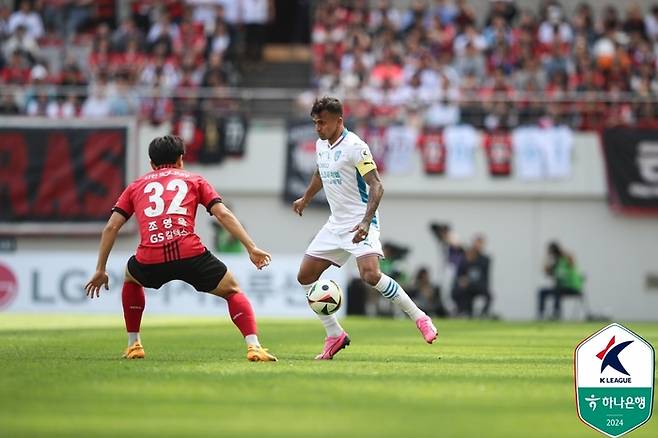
165	203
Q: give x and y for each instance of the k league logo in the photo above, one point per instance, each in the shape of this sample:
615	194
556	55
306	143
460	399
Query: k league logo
610	357
614	376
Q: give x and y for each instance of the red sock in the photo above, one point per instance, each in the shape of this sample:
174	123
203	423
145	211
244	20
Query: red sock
132	297
242	314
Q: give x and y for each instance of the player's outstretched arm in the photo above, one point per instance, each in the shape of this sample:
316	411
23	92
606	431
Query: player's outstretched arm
313	188
228	220
109	236
374	197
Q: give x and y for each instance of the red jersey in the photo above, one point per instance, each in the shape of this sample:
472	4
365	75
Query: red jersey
433	149
498	147
165	203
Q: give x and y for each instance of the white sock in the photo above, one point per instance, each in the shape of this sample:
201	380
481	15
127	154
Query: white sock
133	337
390	289
252	340
331	325
330	322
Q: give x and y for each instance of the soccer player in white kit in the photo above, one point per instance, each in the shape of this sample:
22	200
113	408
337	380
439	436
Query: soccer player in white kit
348	174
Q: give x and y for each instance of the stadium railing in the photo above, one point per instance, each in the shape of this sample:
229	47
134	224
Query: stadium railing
580	110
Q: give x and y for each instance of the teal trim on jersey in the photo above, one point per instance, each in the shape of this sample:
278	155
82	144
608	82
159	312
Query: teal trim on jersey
340	140
361	183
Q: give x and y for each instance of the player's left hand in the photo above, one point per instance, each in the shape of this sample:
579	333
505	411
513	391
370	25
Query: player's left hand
360	232
260	258
99	279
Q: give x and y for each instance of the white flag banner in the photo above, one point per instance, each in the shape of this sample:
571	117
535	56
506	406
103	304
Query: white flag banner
461	142
400	148
528	153
558	151
542	153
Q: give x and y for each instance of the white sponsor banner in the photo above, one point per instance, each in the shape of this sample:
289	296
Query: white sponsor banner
53	282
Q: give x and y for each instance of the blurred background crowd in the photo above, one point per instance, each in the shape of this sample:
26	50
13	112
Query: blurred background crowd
436	60
439	58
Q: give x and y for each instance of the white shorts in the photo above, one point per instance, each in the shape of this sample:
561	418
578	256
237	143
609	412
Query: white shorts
337	248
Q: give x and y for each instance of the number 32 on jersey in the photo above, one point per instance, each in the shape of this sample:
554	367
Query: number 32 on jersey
155	190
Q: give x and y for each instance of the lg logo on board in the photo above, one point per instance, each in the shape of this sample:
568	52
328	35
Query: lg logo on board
8	286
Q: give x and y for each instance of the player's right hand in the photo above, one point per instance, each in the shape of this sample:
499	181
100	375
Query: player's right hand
259	258
299	205
99	279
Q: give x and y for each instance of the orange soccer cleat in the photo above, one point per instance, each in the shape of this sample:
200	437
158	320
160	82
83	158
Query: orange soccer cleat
256	353
135	351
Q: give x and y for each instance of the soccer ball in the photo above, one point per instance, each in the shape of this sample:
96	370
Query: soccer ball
325	297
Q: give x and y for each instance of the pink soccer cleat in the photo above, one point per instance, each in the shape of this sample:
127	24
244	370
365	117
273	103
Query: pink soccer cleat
427	329
332	345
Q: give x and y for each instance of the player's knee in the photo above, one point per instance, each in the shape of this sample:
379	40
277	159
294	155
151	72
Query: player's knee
371	276
225	291
226	286
305	278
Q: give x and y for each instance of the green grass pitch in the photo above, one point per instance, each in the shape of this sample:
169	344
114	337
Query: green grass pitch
62	376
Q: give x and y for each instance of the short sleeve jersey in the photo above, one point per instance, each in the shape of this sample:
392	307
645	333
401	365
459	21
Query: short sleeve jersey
528	153
165	203
342	167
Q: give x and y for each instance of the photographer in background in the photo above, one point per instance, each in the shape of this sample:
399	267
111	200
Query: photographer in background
451	252
561	267
426	295
473	280
223	241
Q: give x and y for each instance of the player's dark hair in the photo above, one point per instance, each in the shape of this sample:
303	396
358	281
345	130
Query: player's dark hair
329	104
166	149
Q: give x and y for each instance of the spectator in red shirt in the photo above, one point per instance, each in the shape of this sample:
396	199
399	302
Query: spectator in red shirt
132	59
191	40
17	71
100	59
388	69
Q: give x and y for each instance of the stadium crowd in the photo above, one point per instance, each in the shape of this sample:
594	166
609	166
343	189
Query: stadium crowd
68	58
437	57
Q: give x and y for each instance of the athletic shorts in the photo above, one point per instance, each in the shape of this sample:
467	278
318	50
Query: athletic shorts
337	248
203	272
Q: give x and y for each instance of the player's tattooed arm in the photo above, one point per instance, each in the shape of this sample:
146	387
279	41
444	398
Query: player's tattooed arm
228	220
374	197
109	236
313	188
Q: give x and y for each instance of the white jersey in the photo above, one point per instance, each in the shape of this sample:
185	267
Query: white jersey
341	167
558	152
400	148
528	153
461	142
